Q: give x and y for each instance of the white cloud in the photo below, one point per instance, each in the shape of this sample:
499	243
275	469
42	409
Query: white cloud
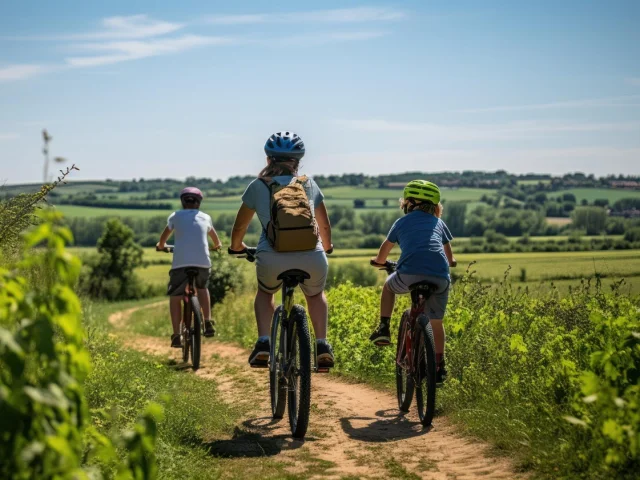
8	136
479	132
21	71
340	15
120	51
624	101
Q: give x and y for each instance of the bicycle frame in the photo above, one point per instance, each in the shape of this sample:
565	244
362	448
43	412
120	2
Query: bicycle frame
417	307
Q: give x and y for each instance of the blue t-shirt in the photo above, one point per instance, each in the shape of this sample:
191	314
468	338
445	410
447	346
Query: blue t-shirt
421	237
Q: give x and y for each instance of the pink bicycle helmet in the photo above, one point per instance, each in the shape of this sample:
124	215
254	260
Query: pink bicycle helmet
191	192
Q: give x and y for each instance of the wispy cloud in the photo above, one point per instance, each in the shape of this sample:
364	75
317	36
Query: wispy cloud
624	101
634	81
340	15
480	132
21	71
121	51
320	38
8	136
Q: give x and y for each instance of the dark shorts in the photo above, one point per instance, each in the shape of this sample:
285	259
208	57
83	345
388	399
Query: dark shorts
436	306
178	280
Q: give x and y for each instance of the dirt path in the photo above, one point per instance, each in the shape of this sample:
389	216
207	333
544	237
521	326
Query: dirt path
355	431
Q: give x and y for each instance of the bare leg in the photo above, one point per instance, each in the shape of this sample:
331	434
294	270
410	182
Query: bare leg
319	313
264	309
438	335
205	302
175	308
387	302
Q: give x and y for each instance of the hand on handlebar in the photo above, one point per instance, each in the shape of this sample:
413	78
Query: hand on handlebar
164	248
247	252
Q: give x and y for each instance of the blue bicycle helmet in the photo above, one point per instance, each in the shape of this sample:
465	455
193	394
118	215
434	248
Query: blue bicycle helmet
284	146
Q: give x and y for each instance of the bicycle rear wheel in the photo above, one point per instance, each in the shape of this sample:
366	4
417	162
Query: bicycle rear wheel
299	381
184	331
196	333
425	371
404	380
277	385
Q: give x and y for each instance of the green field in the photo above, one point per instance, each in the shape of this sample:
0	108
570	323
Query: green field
592	194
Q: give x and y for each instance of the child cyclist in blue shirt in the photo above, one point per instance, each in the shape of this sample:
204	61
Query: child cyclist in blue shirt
426	256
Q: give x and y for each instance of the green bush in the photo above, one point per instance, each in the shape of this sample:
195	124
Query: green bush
226	275
46	430
110	275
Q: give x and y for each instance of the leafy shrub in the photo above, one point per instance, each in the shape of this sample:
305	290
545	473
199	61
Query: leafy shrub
43	363
226	275
632	235
111	274
372	241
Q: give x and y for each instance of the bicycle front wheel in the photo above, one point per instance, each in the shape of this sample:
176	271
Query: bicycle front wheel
277	384
425	371
196	333
299	377
404	380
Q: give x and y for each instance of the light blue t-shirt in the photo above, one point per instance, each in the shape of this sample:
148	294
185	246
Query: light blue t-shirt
421	237
257	197
190	228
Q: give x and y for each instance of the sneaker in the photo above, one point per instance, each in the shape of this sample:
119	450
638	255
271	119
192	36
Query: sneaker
209	330
259	358
176	341
381	337
324	355
441	373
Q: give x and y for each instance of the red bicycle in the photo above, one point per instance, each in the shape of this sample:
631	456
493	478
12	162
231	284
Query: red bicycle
415	352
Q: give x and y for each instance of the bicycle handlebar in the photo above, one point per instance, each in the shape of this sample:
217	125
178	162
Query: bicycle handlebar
389	266
248	253
166	249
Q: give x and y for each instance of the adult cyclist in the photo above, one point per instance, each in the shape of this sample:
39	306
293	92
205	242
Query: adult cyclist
284	151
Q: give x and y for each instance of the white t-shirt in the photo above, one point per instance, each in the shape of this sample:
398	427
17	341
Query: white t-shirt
190	228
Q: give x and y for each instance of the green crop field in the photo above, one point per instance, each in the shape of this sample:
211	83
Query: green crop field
592	194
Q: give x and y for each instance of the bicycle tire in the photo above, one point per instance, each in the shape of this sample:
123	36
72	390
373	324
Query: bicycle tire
299	381
404	381
186	338
196	333
425	371
277	387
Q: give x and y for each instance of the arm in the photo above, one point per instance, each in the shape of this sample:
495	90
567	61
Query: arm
215	239
324	225
163	238
449	253
243	218
384	251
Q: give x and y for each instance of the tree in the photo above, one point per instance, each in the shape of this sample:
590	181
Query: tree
454	216
359	203
111	275
591	219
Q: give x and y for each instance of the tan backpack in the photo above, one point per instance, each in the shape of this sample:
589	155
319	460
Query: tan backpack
292	226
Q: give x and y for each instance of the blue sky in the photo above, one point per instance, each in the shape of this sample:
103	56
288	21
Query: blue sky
173	89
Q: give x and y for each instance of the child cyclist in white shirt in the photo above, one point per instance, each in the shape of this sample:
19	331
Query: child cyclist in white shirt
190	227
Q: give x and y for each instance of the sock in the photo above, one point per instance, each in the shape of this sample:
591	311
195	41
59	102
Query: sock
264	338
321	341
385	320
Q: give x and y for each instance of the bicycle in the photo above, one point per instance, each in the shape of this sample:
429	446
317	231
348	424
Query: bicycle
290	356
415	352
191	314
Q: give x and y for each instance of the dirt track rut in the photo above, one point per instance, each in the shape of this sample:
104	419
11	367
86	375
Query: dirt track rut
357	430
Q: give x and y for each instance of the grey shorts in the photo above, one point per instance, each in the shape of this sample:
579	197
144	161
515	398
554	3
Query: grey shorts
270	264
178	280
436	307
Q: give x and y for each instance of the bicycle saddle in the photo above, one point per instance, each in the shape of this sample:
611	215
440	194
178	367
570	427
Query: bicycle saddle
191	271
432	287
296	276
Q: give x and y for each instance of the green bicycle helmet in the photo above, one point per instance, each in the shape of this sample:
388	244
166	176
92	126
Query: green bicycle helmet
422	190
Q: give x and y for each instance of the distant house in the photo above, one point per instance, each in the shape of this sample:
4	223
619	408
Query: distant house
628	184
630	213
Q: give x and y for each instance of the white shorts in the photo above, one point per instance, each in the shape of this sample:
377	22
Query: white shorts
270	264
